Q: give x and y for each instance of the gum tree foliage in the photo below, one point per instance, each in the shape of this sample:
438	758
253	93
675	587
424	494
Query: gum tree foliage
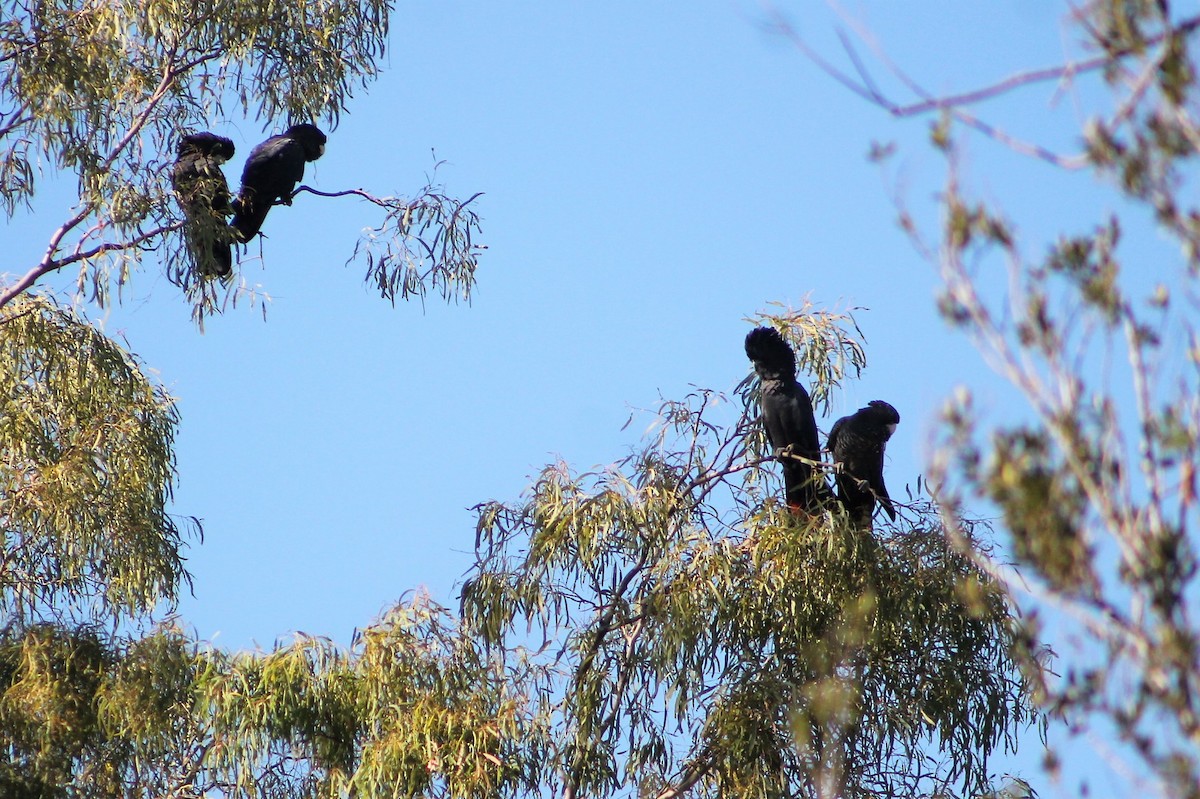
86	471
1097	485
414	708
97	700
99	92
664	626
699	639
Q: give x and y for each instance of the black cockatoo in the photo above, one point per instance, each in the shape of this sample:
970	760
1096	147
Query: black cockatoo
857	442
203	194
271	174
787	416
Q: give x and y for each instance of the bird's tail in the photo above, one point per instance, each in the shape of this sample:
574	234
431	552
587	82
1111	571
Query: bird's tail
886	502
769	352
210	242
222	256
248	217
805	489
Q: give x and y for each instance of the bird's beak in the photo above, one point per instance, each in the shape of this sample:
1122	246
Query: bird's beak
891	428
321	151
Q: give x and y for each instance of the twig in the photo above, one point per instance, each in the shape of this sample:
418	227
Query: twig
3	321
1015	81
14	123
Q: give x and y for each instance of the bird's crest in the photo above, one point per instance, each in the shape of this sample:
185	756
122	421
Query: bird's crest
206	143
886	413
770	353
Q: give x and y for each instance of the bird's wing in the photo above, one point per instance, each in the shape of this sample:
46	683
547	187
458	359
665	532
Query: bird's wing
215	189
183	175
806	421
200	184
772	407
788	417
274	166
270	174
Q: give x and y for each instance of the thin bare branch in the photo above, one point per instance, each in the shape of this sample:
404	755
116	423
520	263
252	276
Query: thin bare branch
384	202
865	86
929	103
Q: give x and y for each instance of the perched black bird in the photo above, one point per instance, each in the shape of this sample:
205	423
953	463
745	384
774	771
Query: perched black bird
787	416
858	442
271	174
203	194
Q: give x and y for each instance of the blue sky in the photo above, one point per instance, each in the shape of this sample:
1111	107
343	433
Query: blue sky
653	174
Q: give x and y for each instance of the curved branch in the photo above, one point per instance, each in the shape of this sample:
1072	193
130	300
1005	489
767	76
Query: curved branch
383	202
865	86
14	121
50	264
47	264
170	74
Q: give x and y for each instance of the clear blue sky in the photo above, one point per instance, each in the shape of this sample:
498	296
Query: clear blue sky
653	173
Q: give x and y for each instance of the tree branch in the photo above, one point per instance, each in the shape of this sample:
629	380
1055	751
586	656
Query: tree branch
170	74
380	201
691	775
50	264
15	121
603	628
929	103
865	87
186	780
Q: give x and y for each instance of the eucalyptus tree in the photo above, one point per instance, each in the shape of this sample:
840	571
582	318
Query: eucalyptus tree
664	626
100	93
95	699
698	638
1096	484
98	700
95	96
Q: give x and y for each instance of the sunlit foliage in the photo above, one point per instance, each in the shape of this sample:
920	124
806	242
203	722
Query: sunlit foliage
664	626
100	92
701	639
413	708
86	471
